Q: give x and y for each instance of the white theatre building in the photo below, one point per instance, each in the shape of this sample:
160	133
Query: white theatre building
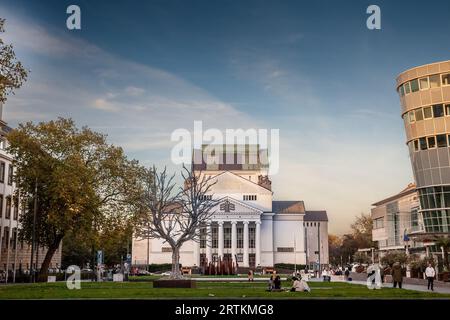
248	225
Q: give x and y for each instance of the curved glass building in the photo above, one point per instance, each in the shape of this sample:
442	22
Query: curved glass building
425	107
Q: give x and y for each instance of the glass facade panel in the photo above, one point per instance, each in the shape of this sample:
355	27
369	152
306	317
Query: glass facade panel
419	114
438	110
441	140
414	85
427	114
423	143
435	81
407	88
446	79
431	142
424	83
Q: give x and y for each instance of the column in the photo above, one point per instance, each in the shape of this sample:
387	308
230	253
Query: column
246	244
258	244
209	242
233	240
220	242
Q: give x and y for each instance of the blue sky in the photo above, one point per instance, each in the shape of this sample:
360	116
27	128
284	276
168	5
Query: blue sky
138	70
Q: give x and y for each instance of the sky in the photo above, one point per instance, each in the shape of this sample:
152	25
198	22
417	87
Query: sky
137	71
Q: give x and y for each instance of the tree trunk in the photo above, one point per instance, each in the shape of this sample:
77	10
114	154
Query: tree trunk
48	258
176	273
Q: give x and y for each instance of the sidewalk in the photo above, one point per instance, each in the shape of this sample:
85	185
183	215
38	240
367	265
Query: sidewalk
409	287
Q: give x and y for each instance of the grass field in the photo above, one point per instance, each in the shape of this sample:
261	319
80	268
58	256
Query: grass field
204	290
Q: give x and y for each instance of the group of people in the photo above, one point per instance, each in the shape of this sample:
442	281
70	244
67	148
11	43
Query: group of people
299	284
397	276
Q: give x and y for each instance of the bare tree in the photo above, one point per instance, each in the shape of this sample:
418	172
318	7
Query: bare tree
175	217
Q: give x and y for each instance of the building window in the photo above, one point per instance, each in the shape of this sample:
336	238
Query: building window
407	88
447	109
419	115
402	91
411	116
16	208
240	257
416	145
438	110
2	171
206	197
435	81
431	142
240	237
285	249
8	207
10	174
215	237
203	237
441	140
427	113
227	237
424	83
1	206
446	79
378	223
251	236
166	249
414	85
249	197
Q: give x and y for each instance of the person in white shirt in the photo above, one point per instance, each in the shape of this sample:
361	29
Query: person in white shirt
430	273
326	275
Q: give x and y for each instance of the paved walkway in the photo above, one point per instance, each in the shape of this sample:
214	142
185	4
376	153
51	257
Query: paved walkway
410	287
385	285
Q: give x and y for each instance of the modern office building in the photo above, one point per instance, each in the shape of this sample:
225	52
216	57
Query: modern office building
394	218
15	255
248	225
425	108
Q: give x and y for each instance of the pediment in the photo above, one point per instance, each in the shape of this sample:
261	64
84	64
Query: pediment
229	205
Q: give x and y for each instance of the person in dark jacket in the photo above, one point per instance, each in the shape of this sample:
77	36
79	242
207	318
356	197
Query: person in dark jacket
397	275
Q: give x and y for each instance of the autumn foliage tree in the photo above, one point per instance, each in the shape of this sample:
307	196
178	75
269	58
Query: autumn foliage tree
81	180
12	72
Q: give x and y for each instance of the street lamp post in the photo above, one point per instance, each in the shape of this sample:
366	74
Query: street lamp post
33	234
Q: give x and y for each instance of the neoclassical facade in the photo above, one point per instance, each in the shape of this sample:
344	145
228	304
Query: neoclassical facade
248	226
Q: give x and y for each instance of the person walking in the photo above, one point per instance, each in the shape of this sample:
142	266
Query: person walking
347	274
397	275
430	273
250	275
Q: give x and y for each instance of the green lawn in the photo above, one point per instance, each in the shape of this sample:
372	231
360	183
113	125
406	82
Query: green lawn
144	290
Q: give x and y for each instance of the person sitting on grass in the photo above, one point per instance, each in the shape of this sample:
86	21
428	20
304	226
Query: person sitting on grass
277	283
300	285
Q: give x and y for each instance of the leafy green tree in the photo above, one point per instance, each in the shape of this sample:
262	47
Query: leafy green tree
361	257
392	257
444	243
81	181
362	231
12	73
